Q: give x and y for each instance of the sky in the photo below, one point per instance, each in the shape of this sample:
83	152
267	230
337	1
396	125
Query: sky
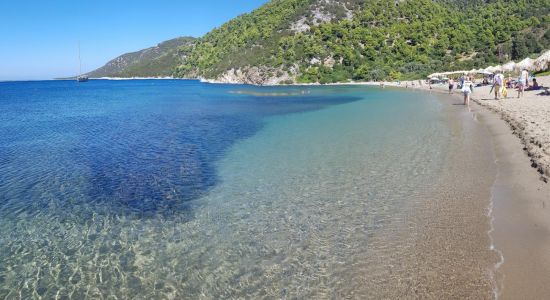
39	38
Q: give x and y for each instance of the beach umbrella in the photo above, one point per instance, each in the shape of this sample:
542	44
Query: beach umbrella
492	69
542	62
508	67
527	64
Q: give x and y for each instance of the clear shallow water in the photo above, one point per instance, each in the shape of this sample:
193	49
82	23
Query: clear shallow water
164	189
135	146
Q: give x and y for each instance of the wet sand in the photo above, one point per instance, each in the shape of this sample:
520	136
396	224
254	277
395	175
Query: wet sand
520	231
521	217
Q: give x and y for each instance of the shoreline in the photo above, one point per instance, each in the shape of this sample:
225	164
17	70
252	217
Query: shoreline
477	229
519	219
438	247
511	110
140	78
518	223
121	78
534	143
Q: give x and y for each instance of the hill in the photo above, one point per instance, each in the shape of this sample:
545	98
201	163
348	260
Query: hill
157	61
326	41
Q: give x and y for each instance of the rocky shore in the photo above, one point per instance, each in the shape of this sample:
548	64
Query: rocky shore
256	76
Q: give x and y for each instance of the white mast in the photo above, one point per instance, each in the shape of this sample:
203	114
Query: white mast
80	77
79	61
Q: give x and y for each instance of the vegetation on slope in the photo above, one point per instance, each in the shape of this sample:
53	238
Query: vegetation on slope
157	61
245	39
381	40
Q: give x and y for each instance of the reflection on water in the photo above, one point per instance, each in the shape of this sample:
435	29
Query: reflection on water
304	205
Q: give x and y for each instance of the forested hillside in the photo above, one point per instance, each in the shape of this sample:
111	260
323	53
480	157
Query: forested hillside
157	61
338	40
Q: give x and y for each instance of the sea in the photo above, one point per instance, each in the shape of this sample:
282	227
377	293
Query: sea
177	189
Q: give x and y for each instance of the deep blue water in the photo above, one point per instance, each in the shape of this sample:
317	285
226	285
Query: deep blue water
141	147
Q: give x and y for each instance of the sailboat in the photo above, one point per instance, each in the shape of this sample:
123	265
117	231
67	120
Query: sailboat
80	77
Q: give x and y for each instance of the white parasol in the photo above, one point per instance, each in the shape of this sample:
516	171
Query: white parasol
527	64
543	62
508	67
492	69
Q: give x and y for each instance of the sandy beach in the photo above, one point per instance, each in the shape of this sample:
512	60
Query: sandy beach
528	116
519	211
520	216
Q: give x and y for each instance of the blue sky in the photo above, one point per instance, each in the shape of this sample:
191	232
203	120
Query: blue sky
39	38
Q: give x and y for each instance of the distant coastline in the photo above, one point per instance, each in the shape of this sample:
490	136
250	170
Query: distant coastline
128	78
140	78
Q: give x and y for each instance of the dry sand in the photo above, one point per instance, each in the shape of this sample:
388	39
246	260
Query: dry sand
529	118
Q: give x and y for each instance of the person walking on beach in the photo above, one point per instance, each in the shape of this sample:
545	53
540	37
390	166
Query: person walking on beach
525	76
467	89
451	86
497	85
523	82
520	88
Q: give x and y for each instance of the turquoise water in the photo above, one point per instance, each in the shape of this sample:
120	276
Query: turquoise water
175	189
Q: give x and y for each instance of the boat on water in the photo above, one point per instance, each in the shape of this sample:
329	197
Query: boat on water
81	77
